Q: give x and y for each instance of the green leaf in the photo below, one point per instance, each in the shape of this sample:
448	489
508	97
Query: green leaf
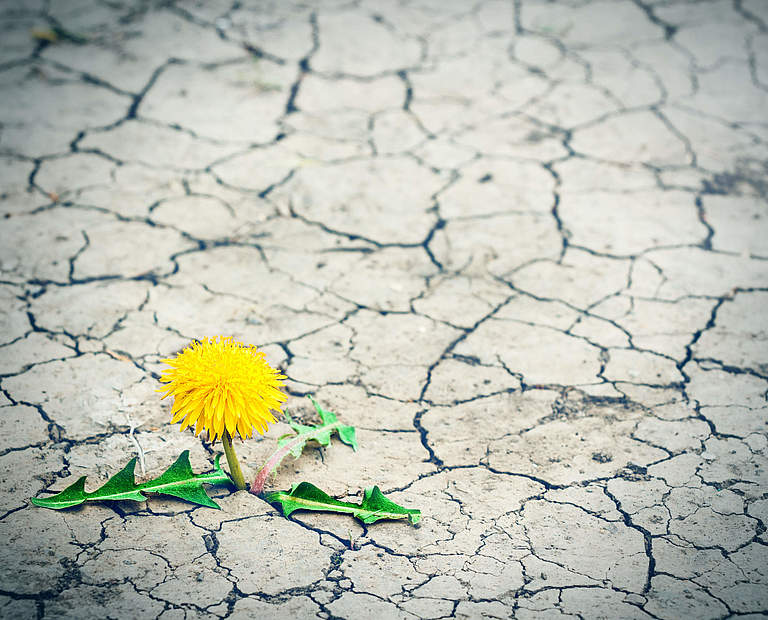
375	506
295	443
321	434
178	480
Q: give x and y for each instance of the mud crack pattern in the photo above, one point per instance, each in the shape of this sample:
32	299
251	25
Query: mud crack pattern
520	245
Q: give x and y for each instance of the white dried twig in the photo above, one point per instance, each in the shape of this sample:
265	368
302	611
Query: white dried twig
139	449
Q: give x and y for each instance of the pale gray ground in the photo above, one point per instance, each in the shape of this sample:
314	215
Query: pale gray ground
521	246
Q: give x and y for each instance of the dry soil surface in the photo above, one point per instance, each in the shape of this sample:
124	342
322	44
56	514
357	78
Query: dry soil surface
522	246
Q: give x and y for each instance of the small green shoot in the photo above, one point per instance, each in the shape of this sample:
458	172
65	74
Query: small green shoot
294	444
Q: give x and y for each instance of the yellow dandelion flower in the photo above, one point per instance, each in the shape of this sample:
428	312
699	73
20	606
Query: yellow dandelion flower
221	385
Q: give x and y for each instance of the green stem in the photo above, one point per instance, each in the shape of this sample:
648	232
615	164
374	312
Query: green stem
234	464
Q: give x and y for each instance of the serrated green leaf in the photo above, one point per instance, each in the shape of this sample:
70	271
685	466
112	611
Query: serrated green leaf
178	481
120	486
71	496
346	433
374	507
347	436
295	443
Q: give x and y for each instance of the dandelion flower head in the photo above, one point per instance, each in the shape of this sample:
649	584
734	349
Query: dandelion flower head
218	384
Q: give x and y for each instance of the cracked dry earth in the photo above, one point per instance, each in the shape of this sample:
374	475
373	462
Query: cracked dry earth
521	246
